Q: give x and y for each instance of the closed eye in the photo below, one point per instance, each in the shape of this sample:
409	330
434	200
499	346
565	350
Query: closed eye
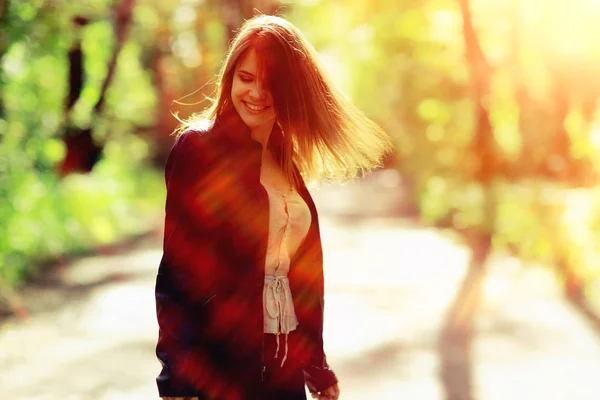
245	78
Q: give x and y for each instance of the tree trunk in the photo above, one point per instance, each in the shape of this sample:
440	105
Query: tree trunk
458	329
82	152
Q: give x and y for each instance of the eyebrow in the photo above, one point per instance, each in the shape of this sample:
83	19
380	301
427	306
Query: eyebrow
246	72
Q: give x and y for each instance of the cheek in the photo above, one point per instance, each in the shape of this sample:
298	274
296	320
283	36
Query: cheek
237	89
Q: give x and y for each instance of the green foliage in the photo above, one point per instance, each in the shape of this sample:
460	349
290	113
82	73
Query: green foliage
42	216
404	64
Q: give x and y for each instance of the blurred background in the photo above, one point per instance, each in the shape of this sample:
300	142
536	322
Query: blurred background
467	268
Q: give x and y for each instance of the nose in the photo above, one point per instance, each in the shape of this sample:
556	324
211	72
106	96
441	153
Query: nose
257	91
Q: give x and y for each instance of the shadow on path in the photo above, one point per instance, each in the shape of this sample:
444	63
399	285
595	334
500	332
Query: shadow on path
103	372
54	286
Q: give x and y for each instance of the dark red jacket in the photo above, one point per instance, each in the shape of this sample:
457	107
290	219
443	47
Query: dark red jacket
210	279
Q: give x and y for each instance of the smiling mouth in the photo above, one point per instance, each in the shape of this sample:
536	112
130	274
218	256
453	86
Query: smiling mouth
254	108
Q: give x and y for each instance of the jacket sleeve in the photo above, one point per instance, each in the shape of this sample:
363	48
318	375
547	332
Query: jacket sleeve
186	280
317	373
308	282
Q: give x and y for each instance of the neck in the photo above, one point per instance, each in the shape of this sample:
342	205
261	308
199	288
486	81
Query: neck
262	133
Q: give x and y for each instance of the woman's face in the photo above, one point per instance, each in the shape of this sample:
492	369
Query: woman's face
251	100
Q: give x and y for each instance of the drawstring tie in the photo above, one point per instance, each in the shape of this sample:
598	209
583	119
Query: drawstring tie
286	348
276	305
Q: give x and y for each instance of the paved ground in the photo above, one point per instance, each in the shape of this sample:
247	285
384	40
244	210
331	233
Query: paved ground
92	330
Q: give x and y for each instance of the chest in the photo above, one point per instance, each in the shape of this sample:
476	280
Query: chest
272	176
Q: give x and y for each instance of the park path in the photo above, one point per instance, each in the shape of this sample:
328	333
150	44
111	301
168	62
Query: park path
91	331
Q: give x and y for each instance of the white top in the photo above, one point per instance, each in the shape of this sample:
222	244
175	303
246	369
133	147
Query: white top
289	221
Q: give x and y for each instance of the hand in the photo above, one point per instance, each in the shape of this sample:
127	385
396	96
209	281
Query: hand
331	393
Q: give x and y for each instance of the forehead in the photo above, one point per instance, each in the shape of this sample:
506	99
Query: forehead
250	62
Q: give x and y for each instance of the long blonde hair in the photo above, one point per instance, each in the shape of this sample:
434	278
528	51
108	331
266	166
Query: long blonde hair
322	132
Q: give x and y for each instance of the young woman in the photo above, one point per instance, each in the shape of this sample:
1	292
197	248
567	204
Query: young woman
239	291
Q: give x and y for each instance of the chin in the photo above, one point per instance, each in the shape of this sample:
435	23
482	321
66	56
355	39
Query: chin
252	123
255	121
252	120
